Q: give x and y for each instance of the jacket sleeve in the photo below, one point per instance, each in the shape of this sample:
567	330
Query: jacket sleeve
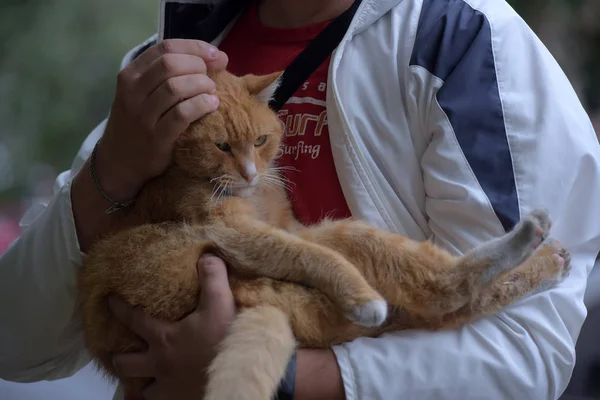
506	134
41	336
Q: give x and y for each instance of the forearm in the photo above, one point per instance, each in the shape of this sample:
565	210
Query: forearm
89	205
318	376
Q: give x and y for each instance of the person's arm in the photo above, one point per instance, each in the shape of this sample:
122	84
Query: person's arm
506	134
317	376
158	95
39	339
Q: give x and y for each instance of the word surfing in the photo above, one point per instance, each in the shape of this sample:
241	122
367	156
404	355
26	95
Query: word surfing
299	149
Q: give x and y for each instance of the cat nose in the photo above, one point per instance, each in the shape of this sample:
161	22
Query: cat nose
249	172
249	177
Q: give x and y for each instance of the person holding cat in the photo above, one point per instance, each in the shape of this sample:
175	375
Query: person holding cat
440	119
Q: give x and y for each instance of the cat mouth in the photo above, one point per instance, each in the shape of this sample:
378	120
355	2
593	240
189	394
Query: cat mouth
233	190
243	191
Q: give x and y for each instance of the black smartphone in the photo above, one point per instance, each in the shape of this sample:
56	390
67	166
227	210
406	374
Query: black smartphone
197	19
179	19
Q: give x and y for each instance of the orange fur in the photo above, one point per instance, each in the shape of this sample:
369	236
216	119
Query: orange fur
318	285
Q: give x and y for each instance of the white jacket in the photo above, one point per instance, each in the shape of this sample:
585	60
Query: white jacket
448	120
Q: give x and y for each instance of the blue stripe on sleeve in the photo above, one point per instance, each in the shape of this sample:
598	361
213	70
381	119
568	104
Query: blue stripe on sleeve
454	43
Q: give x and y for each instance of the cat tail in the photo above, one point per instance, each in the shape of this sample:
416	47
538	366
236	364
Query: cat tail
253	357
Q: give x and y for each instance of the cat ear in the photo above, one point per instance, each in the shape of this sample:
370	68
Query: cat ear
263	87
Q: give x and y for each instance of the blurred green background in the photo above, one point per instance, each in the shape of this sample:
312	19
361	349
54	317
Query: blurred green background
59	59
58	62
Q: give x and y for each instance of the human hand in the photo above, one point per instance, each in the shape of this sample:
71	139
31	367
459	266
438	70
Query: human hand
157	97
179	353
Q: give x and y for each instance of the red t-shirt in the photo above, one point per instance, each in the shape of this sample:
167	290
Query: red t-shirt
256	49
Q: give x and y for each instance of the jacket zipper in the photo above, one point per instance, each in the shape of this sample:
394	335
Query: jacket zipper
382	205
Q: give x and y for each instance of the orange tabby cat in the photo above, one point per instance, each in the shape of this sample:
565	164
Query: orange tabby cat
319	285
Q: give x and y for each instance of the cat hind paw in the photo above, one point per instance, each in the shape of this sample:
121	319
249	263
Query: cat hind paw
560	262
563	260
538	222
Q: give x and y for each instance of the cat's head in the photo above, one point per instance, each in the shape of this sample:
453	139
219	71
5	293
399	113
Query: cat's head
234	147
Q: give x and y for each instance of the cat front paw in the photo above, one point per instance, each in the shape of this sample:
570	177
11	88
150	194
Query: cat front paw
370	314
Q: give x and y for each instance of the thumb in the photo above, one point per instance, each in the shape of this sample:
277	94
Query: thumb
215	293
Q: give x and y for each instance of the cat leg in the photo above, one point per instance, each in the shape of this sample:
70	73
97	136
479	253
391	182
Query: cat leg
479	267
253	357
257	249
316	321
546	268
494	258
419	277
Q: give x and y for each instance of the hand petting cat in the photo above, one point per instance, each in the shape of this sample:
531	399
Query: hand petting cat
157	97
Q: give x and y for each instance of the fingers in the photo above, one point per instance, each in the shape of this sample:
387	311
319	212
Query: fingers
146	327
216	294
176	90
167	67
214	58
167	85
134	365
179	118
158	96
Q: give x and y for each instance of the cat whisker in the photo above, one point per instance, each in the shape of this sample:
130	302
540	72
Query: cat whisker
276	174
277	182
223	182
224	189
282	179
219	196
216	189
225	176
270	186
284	168
287	181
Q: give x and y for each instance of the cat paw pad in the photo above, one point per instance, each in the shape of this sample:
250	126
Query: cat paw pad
560	265
535	227
543	223
562	258
369	314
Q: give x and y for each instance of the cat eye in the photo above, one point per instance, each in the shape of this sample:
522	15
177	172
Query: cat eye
260	141
224	147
